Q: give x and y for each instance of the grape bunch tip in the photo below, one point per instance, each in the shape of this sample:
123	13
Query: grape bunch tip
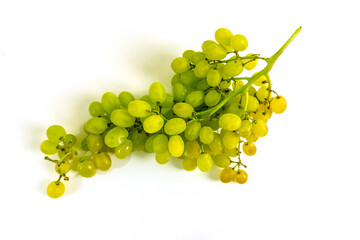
214	116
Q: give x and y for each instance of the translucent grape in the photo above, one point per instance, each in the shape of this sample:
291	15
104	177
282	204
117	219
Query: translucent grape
241	177
188	54
180	65
96	109
213	77
175	126
176	146
162	157
48	147
206	135
212	98
160	143
206	44
237	85
192	149
224	85
94	142
252	103
115	137
204	162
232	69
245	128
123	150
146	98
261	81
183	110
55	189
227	175
216	52
195	98
122	118
125	98
180	92
175	79
192	130
138	138
149	143
214	123
249	64
221	160
55	132
86	168
231	152
69	140
230	121
249	148
223	36
153	124
102	161
169	101
197	57
201	69
216	146
157	93
231	140
239	42
188	77
139	108
189	164
262	93
252	137
96	125
63	168
110	102
278	104
259	128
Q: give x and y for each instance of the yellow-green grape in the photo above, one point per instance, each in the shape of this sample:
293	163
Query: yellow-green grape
204	162
55	132
213	77
122	118
252	103
162	157
206	44
259	128
231	140
237	85
63	168
115	137
55	189
146	98
189	164
149	143
175	79
245	128
212	98
180	65
192	130
249	148
262	93
223	36
198	57
227	175
278	104
96	125
64	151
102	161
252	91
183	110
216	146
139	108
169	101
201	69
261	115
96	109
188	77
231	152
235	109
239	42
86	168
192	149
232	69
125	98
230	121
175	126
214	123
241	177
160	143
195	98
153	123
252	138
74	164
249	64
176	146
180	92
216	52
261	81
202	85
138	138
94	142
110	102
69	140
221	160
206	135
48	147
224	85
157	93
188	54
123	150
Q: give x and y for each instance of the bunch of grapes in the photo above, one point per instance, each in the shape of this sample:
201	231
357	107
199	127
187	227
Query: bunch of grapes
214	116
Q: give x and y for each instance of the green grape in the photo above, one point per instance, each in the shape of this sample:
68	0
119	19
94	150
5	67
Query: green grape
216	52
252	91
259	128
69	140
262	93
234	108
175	79
197	57
162	157
123	150
122	118
249	148
149	143
169	101
213	77
223	36
94	142
252	137
204	162
262	113
55	132
261	81
48	147
180	92
195	98
180	65
63	168
249	64
153	124
183	110
214	123
146	98
237	85
74	164
192	149
96	109
160	143
188	77
241	177
110	102
86	168
245	128
102	161
230	121
188	54
175	126
138	138
212	98
125	98
231	140
201	69
55	189
139	108
232	69
252	103
157	93
231	152
227	175
239	42
278	104
207	44
176	146
216	145
192	130
115	137
221	160
206	135
224	85
96	125
189	164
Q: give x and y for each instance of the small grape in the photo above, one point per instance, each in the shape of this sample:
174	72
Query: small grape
48	147
213	77
110	102
169	101
223	36
206	44
204	162
252	103
262	93
239	42
96	125
176	146
195	98
216	146
69	140
206	135
249	148
212	98
189	164
55	132
202	85
231	152
175	79
122	118
278	104
94	142
201	69
139	108
96	109
232	69
157	93
261	81
160	143
138	138
180	92
102	161
249	64
188	54
180	65
231	139
252	137
215	52
188	78
192	130
198	57
245	128
115	137
149	143
227	175
55	189
162	157
192	149
123	150
259	128
230	121
153	124
175	126
241	177
125	98
86	168
63	168
221	160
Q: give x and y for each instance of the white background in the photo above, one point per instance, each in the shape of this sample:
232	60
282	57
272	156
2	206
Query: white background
58	56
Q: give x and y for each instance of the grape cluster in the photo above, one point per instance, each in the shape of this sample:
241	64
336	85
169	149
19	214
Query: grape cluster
212	117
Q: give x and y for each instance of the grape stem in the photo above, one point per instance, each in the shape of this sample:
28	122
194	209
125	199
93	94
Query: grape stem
270	63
